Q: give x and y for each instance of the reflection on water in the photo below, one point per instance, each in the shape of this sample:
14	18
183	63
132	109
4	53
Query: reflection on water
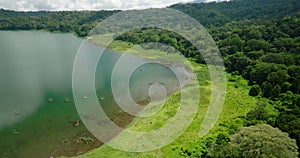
38	117
32	65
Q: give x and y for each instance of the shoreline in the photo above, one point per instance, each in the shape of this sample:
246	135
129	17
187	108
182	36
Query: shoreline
124	120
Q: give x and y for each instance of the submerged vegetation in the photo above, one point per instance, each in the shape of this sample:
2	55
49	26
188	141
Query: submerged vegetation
260	43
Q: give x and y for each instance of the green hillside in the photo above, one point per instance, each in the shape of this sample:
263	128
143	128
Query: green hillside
260	43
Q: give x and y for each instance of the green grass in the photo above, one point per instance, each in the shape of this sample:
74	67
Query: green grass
238	103
135	50
106	39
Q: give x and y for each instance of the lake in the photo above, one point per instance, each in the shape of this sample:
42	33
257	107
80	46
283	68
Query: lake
38	117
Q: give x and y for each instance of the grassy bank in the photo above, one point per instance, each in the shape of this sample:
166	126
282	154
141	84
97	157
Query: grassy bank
237	105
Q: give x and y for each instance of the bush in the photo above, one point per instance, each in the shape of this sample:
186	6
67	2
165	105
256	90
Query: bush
255	90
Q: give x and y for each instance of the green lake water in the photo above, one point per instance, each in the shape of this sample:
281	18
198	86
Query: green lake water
36	66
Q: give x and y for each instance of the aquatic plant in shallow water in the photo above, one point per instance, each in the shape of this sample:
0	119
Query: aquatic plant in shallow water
86	140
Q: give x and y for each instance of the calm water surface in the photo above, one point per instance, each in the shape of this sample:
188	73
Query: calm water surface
37	111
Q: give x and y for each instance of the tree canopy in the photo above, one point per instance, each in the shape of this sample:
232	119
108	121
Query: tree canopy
259	40
258	141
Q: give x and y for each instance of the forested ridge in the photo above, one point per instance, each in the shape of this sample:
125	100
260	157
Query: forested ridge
259	40
208	14
63	21
218	14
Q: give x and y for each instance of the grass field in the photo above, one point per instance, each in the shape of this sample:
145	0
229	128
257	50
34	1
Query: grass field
237	104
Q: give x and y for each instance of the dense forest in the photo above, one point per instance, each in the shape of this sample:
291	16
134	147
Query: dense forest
263	51
259	40
63	21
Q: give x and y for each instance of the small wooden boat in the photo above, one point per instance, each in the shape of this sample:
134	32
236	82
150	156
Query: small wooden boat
67	99
50	100
17	113
76	123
